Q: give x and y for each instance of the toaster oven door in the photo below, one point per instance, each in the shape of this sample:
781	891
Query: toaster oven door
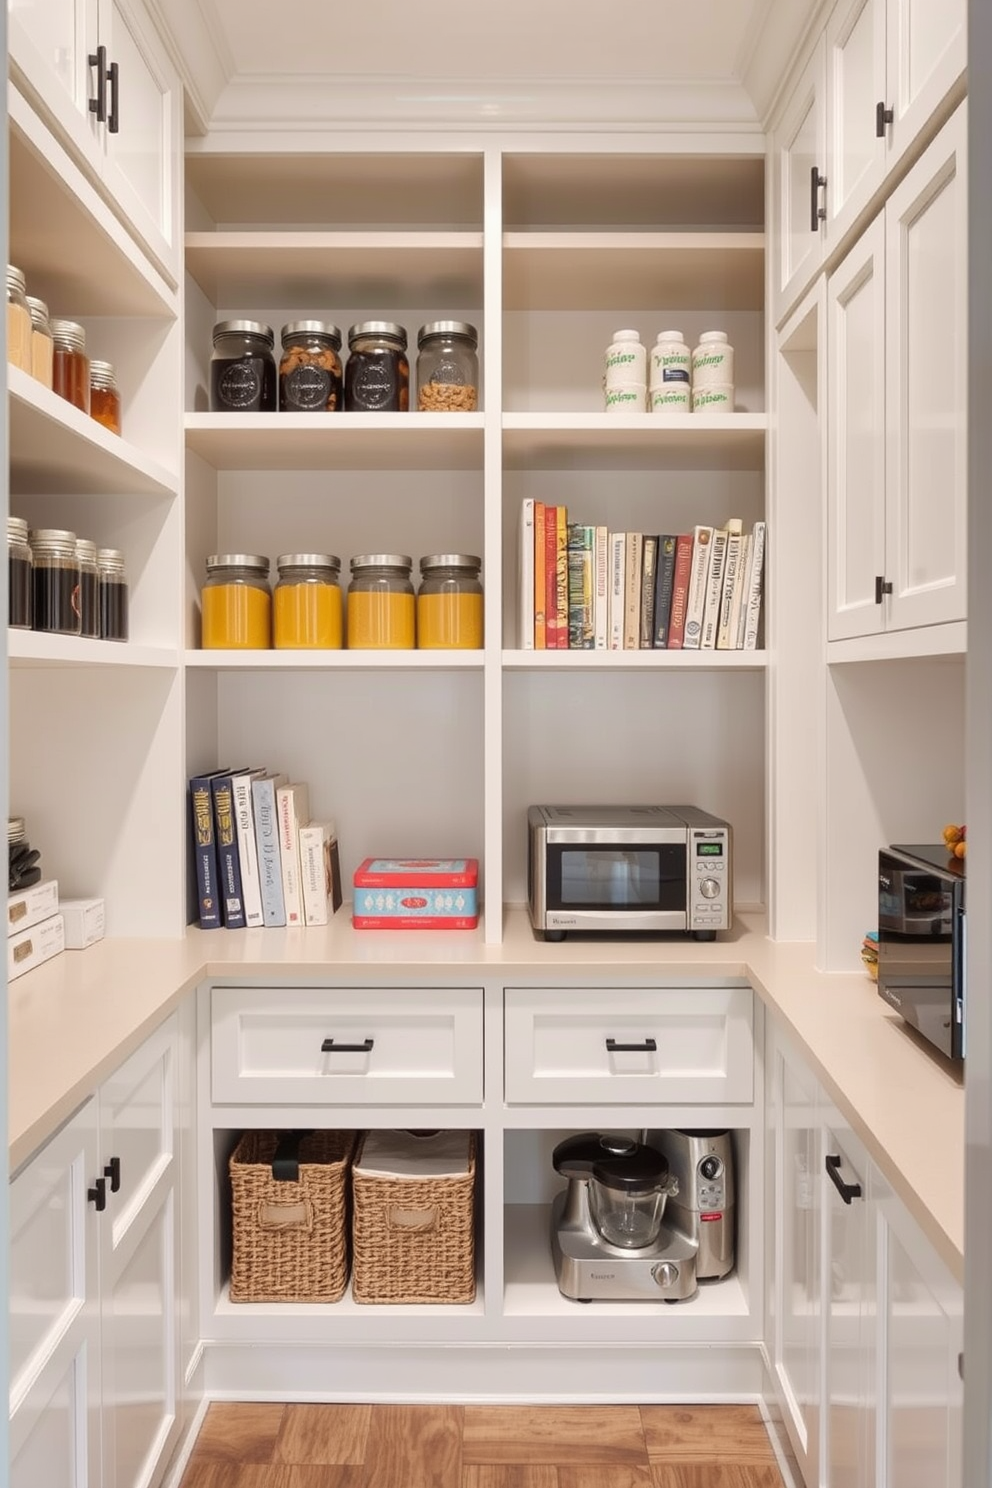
623	885
921	952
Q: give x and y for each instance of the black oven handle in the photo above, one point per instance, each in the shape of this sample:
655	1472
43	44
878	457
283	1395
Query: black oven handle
649	1046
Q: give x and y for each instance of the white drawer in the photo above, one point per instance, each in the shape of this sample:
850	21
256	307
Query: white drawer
642	1046
346	1045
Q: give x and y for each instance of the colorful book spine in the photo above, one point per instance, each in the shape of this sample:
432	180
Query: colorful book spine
680	591
580	587
601	593
618	569
551	576
561	576
263	795
632	592
649	564
754	588
731	566
714	589
525	576
244	819
293	804
663	584
228	857
702	548
205	851
540	586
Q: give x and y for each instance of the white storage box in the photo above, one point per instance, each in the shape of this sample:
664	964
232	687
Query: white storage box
30	906
30	948
84	922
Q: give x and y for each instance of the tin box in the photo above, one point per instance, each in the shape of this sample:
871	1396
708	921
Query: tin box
416	894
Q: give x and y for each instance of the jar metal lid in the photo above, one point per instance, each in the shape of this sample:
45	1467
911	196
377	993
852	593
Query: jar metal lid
53	539
111	560
387	329
712	336
448	328
102	375
313	328
381	560
450	560
308	560
16	277
238	560
244	328
69	333
86	550
16	829
39	311
17	529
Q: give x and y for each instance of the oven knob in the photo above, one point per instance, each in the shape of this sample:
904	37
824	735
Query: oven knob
709	888
666	1273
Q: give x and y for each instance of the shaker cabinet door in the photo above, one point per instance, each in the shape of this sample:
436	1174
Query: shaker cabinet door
855	83
927	54
799	150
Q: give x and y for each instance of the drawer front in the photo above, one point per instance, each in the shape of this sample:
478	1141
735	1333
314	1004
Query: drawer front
636	1047
346	1046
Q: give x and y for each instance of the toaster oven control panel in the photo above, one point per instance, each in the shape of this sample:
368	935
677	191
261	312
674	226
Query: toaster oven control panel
708	865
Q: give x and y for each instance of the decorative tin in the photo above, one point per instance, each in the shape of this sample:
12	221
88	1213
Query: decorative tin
416	894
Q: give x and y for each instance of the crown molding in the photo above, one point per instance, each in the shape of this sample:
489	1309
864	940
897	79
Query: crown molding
788	28
199	53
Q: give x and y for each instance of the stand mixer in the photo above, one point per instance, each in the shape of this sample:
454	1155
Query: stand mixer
607	1236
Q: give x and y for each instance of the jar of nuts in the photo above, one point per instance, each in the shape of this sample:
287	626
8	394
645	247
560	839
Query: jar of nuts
310	367
447	367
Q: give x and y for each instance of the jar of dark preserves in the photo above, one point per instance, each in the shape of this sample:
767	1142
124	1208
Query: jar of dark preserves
113	593
310	367
55	581
242	368
18	573
377	373
89	598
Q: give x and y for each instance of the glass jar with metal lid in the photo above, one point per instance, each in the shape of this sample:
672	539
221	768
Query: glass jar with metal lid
236	603
114	596
310	378
19	564
449	602
18	320
42	346
70	366
381	605
105	400
306	604
377	372
54	581
242	368
89	595
447	367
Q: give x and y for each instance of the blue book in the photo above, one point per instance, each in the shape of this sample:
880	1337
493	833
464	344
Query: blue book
228	857
263	792
205	850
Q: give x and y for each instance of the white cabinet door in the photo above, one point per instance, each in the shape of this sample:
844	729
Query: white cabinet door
856	438
927	51
50	43
855	83
799	152
849	1277
926	333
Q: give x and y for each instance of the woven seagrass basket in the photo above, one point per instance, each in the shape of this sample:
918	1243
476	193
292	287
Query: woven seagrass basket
289	1196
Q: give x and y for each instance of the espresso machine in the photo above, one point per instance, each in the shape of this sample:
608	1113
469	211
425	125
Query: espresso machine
607	1236
702	1164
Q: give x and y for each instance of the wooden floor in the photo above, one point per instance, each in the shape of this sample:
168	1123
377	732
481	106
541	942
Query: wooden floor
482	1446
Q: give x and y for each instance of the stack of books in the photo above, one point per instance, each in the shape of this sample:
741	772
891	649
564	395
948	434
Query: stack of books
584	588
259	859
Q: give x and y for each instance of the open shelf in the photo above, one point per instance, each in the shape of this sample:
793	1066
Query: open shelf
333	661
703	661
341	441
634	441
34	648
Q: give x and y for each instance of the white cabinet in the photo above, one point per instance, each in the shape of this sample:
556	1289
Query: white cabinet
93	1287
895	418
849	1310
856	149
799	181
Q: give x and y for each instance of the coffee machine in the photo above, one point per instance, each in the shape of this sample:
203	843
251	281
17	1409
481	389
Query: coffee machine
702	1163
607	1236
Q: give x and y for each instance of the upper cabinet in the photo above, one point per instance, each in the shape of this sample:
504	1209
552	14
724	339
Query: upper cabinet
798	166
99	75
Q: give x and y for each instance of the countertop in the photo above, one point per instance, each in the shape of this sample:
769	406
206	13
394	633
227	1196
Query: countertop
73	1020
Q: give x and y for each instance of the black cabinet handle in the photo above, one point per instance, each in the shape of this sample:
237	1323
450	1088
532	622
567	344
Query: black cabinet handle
114	117
98	1194
330	1047
649	1046
847	1191
816	212
882	588
98	105
113	1172
883	116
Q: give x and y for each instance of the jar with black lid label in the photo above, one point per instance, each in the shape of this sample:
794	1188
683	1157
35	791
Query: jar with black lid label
377	373
447	367
310	367
242	368
55	581
89	597
113	593
18	574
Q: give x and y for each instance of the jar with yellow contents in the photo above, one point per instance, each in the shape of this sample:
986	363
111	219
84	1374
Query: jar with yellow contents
306	605
381	604
236	603
449	602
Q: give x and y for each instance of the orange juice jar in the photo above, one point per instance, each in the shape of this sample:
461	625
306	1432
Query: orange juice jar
381	605
306	605
449	602
236	604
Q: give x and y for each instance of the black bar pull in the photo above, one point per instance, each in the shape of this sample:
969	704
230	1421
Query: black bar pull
882	588
114	117
649	1046
113	1172
883	116
847	1191
330	1047
98	105
816	212
98	1194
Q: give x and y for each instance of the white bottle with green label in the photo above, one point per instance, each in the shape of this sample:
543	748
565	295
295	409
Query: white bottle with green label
713	361
670	360
625	374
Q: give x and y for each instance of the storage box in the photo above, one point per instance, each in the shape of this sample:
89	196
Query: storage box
84	922
413	1229
289	1193
31	948
30	906
416	894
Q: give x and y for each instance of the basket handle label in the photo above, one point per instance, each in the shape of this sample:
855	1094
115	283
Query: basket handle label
298	1216
411	1219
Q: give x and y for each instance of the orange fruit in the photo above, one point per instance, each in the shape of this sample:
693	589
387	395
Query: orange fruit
960	848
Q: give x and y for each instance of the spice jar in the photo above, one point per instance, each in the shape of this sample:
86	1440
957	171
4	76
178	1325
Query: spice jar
70	367
377	373
449	602
18	320
105	400
113	595
236	603
310	367
89	597
18	574
306	604
54	581
42	349
447	367
381	606
242	368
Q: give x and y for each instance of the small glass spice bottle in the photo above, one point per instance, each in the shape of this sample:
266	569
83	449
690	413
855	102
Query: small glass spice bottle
89	589
19	565
449	602
377	372
236	603
242	368
310	379
54	581
113	595
42	348
105	400
18	320
447	367
381	604
306	604
70	367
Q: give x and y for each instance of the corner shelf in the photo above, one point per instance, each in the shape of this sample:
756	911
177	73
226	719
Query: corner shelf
33	648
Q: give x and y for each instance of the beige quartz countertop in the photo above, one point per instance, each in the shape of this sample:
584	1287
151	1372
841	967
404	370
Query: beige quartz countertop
72	1021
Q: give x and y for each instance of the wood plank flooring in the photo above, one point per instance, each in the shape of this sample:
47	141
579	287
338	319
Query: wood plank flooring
482	1446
